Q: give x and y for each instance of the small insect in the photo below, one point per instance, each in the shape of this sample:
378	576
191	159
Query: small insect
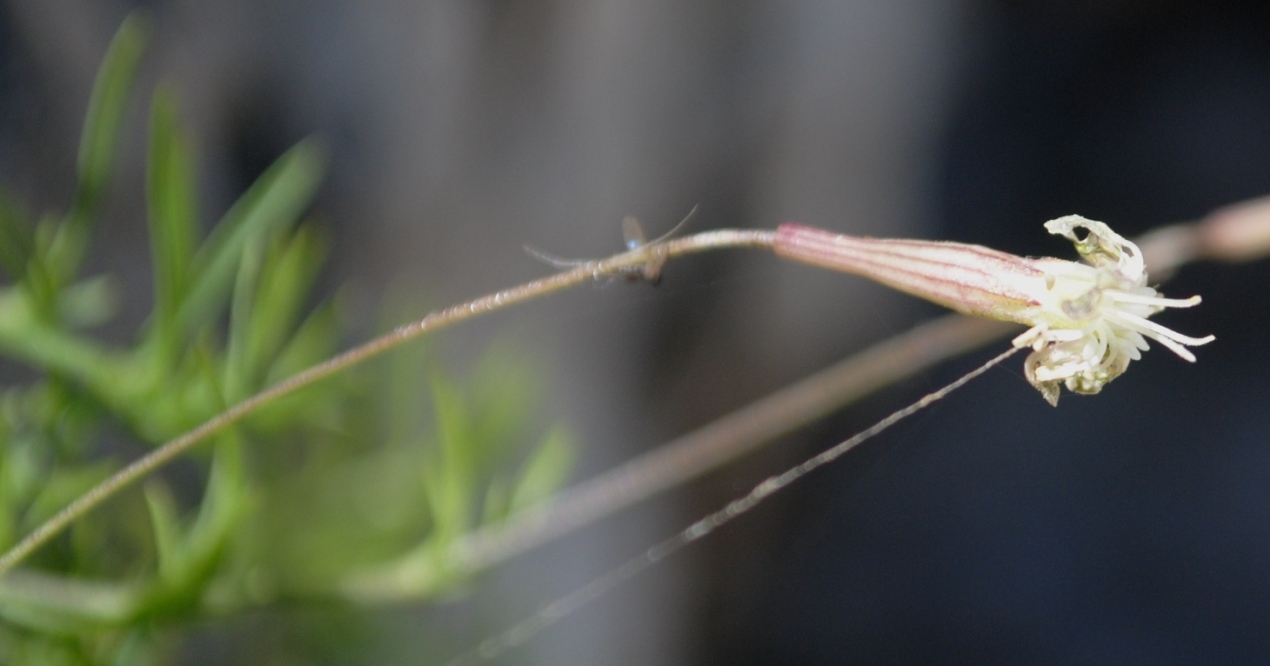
635	240
633	234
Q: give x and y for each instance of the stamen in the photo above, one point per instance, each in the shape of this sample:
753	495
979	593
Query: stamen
1140	299
1143	323
1175	347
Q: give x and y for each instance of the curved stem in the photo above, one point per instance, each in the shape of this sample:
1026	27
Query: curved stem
615	265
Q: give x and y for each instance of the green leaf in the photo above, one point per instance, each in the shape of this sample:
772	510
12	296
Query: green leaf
224	505
314	340
280	294
225	498
171	211
242	302
455	441
41	282
449	499
275	200
23	256
105	114
545	472
189	558
166	528
17	238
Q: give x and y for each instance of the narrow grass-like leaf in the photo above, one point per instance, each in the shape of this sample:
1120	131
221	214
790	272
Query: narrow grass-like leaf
448	474
225	496
105	115
288	272
17	238
166	528
275	200
242	302
545	472
42	282
172	218
224	505
98	144
316	338
454	427
320	407
449	502
194	553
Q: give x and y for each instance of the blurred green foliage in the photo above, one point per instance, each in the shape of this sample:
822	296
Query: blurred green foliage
351	475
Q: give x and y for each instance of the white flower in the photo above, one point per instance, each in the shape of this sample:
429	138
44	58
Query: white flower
1087	320
1092	318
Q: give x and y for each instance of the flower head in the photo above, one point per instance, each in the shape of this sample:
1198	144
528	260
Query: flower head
1086	321
1092	317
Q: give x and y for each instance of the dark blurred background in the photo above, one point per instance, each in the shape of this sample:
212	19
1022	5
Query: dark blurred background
1131	527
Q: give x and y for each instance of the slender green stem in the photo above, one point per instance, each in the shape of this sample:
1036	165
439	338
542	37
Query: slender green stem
616	265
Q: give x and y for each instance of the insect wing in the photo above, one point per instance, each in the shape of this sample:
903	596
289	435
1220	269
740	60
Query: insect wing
633	233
